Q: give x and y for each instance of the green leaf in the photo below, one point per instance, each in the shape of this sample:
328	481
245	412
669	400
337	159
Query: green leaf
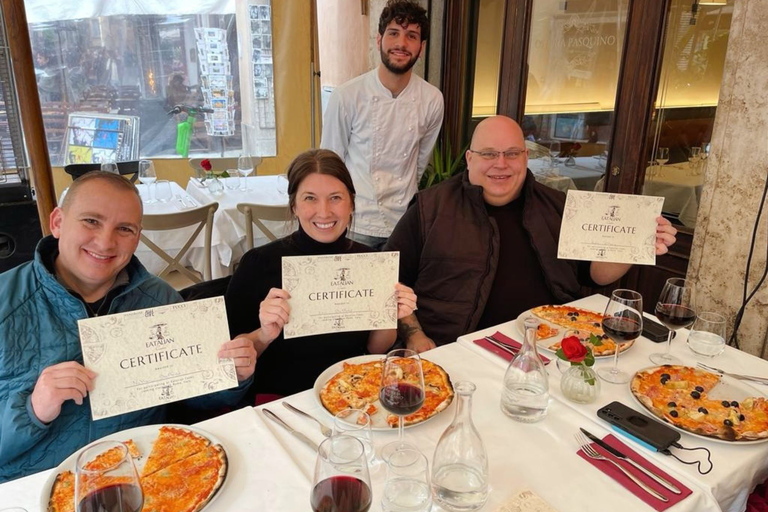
590	359
561	354
595	341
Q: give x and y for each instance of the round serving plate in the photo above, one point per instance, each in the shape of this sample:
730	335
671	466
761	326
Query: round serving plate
730	388
143	437
544	344
379	419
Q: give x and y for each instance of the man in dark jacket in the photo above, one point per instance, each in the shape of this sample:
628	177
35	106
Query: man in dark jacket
85	269
481	248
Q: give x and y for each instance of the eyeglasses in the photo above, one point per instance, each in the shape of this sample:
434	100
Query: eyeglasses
512	154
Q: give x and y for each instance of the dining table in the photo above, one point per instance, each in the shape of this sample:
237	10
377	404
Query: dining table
228	239
269	469
582	175
680	185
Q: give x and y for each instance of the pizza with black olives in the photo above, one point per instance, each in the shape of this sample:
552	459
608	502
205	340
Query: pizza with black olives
584	321
678	395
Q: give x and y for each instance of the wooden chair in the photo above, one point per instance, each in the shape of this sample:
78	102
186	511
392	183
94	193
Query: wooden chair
219	165
255	213
128	169
203	218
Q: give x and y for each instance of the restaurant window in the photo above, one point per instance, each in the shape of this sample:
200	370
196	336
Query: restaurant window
684	112
574	61
141	65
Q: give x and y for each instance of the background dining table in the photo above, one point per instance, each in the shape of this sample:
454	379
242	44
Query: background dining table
228	239
271	470
583	175
680	188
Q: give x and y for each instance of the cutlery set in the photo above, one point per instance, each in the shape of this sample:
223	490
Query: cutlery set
753	378
584	437
303	438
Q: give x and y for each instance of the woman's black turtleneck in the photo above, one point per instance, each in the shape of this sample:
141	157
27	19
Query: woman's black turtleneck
287	366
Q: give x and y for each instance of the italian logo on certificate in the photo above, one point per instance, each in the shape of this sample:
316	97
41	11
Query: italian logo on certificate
156	356
617	228
341	292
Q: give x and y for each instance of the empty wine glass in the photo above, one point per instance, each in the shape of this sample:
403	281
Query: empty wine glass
662	156
112	484
341	482
622	322
402	390
147	176
244	168
407	485
707	336
675	309
231	183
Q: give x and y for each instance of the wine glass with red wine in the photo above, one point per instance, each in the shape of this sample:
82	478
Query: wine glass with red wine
676	310
106	479
341	482
402	390
622	322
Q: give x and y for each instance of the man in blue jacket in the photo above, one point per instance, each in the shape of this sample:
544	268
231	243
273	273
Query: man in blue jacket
85	269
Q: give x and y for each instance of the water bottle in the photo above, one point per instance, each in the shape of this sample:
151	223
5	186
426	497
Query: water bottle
460	464
525	394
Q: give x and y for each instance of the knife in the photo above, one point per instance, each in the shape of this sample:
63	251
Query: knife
616	453
304	439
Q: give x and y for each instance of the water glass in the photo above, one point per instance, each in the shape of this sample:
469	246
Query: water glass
163	191
282	184
233	182
707	336
356	423
407	484
109	167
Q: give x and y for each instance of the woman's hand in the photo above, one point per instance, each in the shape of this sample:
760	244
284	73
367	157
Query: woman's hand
242	352
274	312
406	300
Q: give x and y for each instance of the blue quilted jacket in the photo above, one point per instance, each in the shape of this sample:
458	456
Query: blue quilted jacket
38	328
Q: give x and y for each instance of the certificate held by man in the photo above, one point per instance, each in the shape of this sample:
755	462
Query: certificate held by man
156	356
341	292
616	228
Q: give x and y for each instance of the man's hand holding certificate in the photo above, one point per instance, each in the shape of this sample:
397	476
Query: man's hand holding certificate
616	228
341	292
156	356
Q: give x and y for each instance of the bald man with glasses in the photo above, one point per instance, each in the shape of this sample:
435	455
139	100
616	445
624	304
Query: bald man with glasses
481	247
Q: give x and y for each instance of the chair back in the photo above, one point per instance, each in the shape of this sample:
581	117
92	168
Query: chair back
129	169
219	165
202	217
255	213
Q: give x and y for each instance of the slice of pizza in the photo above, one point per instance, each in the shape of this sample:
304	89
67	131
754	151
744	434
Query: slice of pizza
544	331
186	485
173	444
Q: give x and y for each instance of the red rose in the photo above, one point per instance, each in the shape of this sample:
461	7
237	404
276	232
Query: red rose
573	350
206	164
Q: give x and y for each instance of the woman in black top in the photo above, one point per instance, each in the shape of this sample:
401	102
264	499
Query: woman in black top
322	197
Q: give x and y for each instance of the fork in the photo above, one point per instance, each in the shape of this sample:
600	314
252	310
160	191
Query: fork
590	452
509	348
327	432
739	376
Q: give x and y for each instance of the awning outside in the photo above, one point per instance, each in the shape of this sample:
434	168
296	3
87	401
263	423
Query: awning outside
40	11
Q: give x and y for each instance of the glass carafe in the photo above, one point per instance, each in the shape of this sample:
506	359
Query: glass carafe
460	464
525	394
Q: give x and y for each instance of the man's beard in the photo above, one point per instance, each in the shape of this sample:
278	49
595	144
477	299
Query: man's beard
395	69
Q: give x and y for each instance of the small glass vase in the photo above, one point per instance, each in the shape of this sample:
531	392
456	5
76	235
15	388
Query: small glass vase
570	161
580	384
215	186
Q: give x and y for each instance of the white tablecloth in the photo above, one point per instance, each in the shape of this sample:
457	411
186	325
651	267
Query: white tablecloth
680	190
583	176
271	470
229	224
738	468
